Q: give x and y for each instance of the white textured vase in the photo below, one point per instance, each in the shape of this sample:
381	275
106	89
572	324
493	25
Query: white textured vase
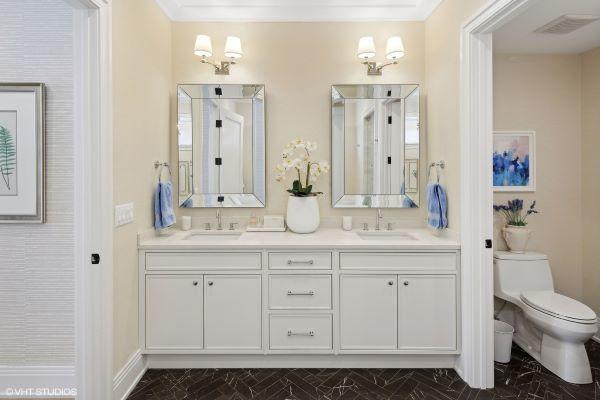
303	214
516	237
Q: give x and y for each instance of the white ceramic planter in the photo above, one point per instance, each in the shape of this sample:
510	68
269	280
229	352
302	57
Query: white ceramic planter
303	214
516	237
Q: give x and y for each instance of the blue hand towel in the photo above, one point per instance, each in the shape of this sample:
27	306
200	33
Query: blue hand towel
437	205
164	216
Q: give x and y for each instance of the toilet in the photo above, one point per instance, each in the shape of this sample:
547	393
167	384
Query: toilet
551	327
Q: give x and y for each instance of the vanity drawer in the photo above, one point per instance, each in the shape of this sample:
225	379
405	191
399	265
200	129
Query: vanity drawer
301	260
300	332
300	292
202	261
396	261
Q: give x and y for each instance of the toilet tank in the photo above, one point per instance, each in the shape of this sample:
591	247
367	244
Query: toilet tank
515	273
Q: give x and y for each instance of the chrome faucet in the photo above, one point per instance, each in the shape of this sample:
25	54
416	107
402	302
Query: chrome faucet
378	218
219	221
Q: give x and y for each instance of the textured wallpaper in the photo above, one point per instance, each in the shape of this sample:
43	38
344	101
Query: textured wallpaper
37	280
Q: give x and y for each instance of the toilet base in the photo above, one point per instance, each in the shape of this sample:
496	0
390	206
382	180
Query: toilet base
569	361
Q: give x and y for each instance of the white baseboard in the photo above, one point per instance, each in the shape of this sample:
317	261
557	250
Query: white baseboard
157	361
50	378
129	375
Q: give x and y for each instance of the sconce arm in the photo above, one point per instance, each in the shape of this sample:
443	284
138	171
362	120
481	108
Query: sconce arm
375	69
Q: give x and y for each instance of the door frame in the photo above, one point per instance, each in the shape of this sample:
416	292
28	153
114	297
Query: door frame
476	362
93	191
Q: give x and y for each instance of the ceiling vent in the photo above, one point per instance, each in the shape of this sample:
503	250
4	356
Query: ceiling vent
566	24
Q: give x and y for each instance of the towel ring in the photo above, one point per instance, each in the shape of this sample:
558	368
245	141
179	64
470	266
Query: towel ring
160	171
438	165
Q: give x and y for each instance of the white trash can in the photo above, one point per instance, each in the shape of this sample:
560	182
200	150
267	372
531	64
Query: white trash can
503	335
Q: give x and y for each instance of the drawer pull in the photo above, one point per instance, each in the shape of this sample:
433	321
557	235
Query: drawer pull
300	333
300	262
307	293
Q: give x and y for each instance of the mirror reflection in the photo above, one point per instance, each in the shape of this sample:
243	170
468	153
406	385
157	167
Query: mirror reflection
375	146
221	141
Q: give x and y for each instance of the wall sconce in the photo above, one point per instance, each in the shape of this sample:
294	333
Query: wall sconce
366	49
233	50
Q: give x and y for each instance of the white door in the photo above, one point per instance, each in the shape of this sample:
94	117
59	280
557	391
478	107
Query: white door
368	311
232	152
232	311
174	312
427	312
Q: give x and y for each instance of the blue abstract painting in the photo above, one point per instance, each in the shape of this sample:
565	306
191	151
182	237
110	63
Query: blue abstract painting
512	161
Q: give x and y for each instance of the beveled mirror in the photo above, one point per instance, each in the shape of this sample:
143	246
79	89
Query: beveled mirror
375	146
221	142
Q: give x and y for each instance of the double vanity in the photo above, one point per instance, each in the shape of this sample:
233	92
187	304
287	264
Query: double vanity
332	298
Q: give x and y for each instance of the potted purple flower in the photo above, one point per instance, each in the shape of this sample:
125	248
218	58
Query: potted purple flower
516	232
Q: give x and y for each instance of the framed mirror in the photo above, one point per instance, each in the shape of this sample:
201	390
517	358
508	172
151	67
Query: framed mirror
221	143
375	146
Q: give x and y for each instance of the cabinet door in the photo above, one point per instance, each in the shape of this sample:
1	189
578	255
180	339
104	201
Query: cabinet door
368	311
427	312
174	312
232	312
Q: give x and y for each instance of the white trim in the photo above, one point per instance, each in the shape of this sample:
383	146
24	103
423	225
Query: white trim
93	197
476	363
302	11
129	376
19	377
156	361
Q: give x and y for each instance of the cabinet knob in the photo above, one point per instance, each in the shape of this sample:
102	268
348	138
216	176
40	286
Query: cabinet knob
405	283
195	283
391	283
210	283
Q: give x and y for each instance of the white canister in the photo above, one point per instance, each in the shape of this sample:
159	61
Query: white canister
347	222
303	214
186	223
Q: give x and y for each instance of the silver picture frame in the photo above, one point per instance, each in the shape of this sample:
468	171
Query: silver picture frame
28	189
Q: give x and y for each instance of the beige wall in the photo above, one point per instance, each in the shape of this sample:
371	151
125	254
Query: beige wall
590	95
142	86
442	50
543	93
298	63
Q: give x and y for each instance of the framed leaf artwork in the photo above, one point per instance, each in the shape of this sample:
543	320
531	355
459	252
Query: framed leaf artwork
21	153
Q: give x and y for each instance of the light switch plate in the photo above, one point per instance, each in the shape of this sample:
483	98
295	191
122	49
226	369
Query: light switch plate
124	214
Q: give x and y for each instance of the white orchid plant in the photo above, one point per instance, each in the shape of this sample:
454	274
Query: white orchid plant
296	158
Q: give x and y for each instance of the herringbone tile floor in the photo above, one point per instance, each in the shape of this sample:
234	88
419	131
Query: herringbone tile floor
522	378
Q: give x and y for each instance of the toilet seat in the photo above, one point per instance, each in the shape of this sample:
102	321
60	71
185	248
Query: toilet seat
559	306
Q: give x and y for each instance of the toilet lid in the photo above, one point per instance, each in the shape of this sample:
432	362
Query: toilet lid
559	306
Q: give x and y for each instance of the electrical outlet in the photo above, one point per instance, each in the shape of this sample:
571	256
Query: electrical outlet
123	214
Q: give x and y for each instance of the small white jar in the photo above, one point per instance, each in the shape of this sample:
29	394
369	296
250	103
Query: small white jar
347	222
186	223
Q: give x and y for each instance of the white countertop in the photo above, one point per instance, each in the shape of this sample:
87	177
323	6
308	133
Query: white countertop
323	238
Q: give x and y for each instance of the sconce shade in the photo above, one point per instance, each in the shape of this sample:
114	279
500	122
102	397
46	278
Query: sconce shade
233	47
394	48
366	47
203	46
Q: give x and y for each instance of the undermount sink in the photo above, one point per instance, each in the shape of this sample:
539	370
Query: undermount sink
213	235
385	235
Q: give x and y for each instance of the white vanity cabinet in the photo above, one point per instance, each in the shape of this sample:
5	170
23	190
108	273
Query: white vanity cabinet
368	312
304	302
232	312
174	308
427	312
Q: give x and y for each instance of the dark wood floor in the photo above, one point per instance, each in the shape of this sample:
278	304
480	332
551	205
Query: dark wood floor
522	378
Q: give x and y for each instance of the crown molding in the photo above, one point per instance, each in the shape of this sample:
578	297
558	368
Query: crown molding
295	11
